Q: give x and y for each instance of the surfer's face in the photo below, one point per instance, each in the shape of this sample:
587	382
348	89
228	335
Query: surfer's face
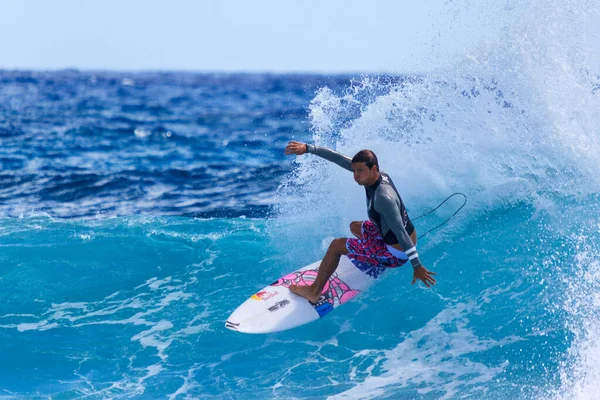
363	175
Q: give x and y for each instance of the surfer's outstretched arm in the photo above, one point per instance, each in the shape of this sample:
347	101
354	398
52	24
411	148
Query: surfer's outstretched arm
299	148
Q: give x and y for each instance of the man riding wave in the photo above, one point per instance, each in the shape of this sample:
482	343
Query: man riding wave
387	239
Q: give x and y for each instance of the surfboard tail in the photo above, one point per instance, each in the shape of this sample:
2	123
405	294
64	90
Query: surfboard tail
231	325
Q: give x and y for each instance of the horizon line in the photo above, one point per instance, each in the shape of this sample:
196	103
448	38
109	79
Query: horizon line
207	71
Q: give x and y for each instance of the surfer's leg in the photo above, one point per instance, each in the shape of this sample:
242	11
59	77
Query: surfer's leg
356	229
330	262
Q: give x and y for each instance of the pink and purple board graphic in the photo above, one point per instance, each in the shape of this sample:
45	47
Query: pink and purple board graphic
334	293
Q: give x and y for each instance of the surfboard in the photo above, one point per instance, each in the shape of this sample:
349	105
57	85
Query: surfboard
275	308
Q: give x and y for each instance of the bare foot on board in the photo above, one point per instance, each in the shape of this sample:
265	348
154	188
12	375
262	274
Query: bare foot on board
307	292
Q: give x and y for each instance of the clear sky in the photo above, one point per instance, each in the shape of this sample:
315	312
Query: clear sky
232	35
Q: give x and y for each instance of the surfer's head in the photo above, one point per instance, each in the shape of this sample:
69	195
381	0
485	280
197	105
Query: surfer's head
365	167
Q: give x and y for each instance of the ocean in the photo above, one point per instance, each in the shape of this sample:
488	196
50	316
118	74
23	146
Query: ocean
138	210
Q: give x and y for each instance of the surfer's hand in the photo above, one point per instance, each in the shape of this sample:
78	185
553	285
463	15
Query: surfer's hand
424	275
296	148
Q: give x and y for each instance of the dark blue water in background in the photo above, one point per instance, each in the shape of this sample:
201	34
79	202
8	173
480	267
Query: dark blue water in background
79	144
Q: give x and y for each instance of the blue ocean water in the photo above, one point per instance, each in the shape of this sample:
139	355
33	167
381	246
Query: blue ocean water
138	210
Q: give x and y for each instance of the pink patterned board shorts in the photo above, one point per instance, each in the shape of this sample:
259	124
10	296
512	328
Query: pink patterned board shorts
370	254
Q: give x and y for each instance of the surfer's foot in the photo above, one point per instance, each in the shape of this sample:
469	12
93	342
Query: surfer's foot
308	292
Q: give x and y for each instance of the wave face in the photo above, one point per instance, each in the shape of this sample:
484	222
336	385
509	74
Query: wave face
112	290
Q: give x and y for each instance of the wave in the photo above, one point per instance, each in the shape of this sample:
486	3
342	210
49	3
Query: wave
512	124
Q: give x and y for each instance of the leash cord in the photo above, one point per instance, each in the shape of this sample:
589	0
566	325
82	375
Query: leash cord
441	204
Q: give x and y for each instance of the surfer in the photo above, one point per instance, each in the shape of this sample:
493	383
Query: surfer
387	239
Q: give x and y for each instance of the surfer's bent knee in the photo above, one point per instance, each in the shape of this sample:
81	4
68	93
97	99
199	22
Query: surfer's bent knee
339	246
356	228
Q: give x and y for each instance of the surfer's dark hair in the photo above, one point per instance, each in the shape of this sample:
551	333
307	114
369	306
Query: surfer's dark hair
367	157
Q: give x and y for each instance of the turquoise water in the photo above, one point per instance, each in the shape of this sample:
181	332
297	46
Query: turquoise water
136	306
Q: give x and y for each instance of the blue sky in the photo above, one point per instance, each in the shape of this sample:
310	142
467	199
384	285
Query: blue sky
270	36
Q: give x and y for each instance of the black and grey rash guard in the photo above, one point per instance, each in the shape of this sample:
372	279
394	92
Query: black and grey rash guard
385	207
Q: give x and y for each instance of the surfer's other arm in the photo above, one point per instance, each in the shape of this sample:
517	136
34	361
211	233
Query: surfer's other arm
299	148
388	208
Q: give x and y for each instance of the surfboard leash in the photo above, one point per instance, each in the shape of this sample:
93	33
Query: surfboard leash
441	204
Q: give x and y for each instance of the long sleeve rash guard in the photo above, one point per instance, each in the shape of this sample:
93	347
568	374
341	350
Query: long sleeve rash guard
385	206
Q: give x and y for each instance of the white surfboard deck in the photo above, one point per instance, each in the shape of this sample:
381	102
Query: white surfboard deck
275	308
